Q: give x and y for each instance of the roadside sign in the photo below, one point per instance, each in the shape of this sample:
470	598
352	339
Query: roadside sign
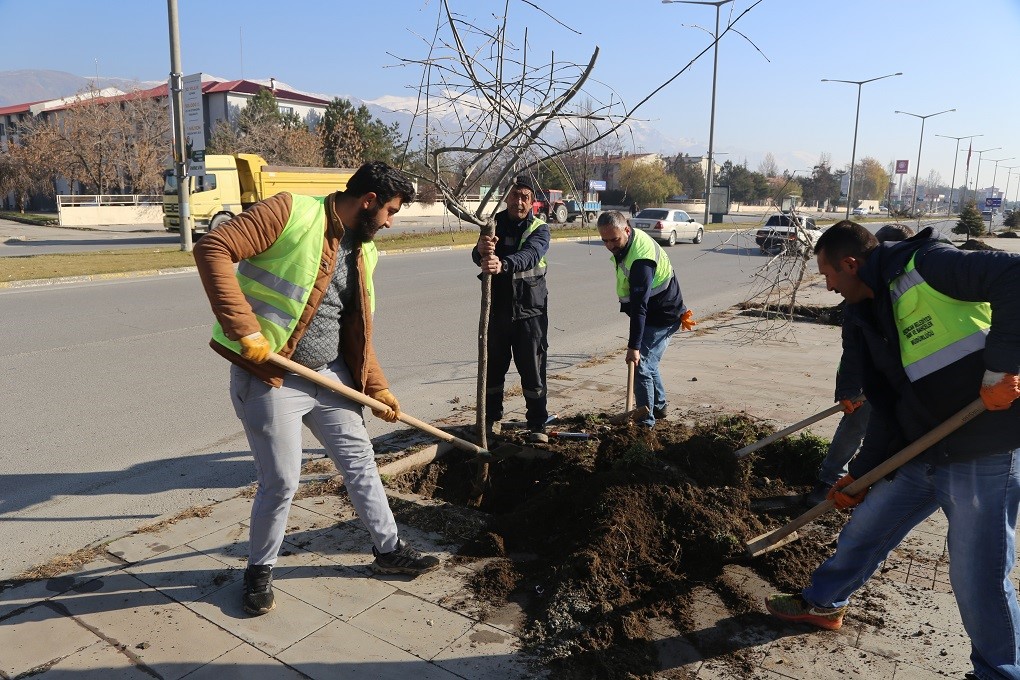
993	202
194	124
596	185
901	167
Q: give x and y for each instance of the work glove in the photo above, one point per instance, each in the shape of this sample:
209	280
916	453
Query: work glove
687	321
849	405
842	500
999	390
393	413
255	347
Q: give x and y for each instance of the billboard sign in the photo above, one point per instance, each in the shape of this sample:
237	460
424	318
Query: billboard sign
596	185
901	167
194	124
995	202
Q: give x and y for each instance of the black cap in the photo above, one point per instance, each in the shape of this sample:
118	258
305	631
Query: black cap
522	181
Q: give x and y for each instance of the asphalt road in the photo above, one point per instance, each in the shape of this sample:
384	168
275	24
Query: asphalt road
116	410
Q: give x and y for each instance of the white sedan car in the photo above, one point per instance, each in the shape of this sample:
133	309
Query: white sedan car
668	225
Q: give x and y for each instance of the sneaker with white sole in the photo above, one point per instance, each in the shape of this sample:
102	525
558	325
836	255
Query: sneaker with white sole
795	608
403	560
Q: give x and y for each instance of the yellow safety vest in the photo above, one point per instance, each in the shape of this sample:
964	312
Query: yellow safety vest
278	281
540	267
935	330
642	247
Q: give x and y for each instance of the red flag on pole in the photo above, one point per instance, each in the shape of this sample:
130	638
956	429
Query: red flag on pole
969	149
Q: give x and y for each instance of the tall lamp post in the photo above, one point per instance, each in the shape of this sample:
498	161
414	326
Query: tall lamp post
715	70
1009	176
952	184
982	151
853	153
917	170
995	173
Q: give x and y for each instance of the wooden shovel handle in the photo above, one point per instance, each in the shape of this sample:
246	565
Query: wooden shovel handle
750	448
366	400
763	543
630	388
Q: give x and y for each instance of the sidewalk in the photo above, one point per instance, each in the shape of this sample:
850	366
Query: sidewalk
166	603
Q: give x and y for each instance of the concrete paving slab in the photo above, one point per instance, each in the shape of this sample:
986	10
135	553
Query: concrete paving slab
485	652
162	635
825	662
244	662
291	621
101	661
230	546
26	593
341	592
144	544
341	651
37	636
414	625
185	574
337	507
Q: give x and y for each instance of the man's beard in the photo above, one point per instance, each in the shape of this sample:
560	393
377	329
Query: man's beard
365	227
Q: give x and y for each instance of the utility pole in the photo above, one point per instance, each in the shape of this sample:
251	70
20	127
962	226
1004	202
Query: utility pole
176	85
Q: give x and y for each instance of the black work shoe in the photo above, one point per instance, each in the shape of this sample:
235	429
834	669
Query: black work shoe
660	413
403	560
258	589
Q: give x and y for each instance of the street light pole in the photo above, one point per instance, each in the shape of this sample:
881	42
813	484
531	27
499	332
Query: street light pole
917	170
978	175
715	70
857	118
952	184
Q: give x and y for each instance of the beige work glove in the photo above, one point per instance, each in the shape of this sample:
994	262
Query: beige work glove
393	413
255	347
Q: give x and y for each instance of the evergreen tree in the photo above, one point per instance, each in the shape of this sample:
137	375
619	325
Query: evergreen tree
970	222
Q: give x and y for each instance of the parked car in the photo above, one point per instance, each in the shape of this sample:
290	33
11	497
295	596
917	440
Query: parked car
780	234
859	211
667	225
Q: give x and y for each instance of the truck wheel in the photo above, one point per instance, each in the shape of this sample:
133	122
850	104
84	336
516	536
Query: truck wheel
543	216
218	220
590	216
561	213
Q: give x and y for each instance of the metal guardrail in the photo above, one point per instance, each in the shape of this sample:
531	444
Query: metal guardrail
93	200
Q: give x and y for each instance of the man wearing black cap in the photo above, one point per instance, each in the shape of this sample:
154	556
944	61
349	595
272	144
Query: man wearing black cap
518	321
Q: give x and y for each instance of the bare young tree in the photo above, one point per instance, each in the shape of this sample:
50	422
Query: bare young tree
768	166
499	108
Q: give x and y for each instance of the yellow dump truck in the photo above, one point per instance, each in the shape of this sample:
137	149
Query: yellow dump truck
232	183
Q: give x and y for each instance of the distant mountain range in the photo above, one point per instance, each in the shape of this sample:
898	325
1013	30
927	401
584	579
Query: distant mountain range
31	85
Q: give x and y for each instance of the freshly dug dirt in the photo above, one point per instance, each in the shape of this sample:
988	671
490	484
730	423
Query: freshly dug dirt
612	533
974	244
832	315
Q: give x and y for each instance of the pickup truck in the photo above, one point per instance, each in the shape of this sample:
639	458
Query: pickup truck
786	232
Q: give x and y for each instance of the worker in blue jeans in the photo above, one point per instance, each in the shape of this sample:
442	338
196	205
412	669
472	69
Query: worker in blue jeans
650	295
922	315
850	432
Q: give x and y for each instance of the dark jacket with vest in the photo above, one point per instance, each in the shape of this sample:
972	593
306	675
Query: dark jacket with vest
660	310
523	298
904	411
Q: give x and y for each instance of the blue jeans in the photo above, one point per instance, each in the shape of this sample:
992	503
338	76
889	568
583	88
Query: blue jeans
845	442
648	388
980	499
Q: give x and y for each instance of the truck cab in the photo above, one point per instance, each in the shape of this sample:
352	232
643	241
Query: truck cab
215	196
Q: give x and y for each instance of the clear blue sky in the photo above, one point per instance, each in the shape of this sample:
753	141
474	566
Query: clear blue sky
953	55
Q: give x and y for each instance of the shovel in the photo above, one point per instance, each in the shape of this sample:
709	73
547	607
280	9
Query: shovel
481	454
629	412
822	415
788	533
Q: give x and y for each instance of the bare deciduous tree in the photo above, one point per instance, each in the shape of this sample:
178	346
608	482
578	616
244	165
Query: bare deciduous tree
498	109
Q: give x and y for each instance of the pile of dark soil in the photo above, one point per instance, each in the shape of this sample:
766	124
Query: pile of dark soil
831	315
1008	234
609	534
974	244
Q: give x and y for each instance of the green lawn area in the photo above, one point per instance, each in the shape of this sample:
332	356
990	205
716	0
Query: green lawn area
40	219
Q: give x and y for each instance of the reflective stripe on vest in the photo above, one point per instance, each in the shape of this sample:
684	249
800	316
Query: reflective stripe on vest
277	282
935	329
539	268
643	247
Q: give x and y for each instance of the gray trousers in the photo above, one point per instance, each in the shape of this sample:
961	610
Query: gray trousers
272	419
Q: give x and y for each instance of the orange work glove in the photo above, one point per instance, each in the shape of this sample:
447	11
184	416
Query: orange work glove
849	405
687	321
255	347
393	413
999	390
841	500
